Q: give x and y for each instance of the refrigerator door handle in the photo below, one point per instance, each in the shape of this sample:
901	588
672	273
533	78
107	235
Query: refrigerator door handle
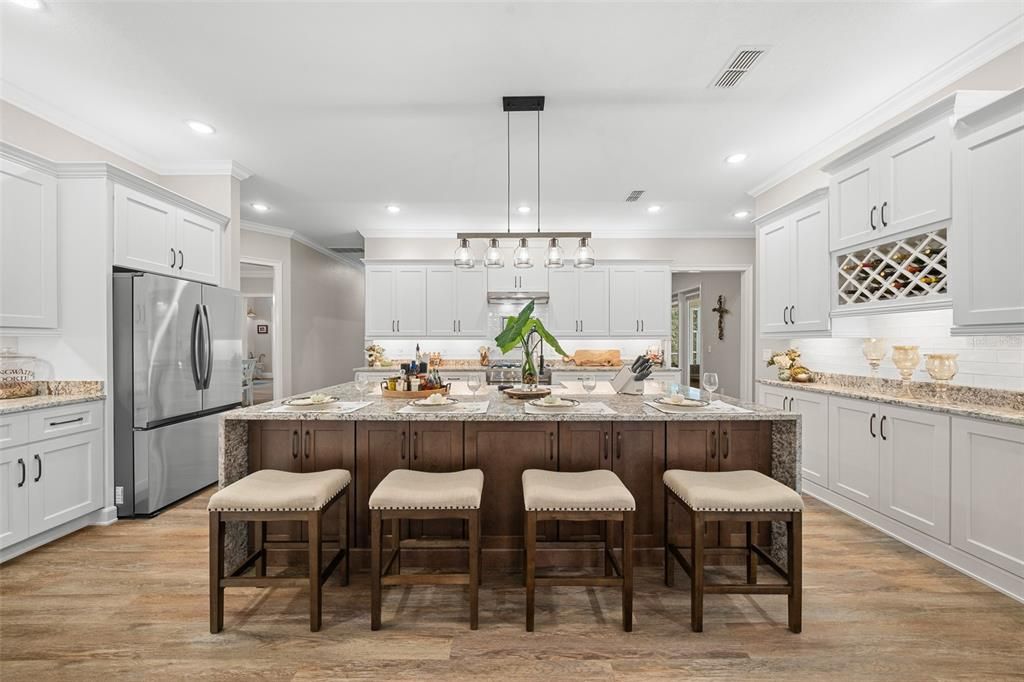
209	348
194	346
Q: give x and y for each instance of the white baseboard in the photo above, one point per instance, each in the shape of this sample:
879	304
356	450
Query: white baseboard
100	517
1009	584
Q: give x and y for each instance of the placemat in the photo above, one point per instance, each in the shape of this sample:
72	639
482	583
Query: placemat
458	408
715	406
340	407
582	408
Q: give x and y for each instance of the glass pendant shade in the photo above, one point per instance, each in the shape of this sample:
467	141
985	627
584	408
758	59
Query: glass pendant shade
585	257
554	254
521	257
463	255
492	256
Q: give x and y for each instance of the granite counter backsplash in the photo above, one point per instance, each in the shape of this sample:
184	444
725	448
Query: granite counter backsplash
53	393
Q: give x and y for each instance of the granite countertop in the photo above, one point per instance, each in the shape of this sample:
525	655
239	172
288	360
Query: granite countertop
36	402
501	408
1007	413
449	365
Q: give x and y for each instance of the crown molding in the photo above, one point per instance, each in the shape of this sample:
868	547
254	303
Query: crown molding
812	196
982	52
232	168
27	158
285	233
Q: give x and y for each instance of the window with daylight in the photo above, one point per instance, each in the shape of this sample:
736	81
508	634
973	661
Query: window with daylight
675	333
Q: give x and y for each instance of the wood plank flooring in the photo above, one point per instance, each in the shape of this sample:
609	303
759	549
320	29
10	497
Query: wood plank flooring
129	601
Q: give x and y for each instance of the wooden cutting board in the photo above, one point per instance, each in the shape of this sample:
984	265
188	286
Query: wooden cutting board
596	358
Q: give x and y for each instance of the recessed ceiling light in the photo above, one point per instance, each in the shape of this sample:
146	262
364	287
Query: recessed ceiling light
523	209
654	209
262	208
693	272
738	157
201	128
29	4
391	208
741	214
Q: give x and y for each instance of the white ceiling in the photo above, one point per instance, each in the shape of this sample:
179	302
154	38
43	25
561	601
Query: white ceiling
342	108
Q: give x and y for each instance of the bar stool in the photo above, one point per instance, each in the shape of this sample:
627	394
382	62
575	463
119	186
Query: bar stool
271	495
405	494
739	496
596	495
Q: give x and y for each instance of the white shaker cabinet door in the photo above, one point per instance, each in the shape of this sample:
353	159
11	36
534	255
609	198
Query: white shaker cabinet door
410	300
622	286
775	276
914	469
775	398
470	301
144	232
813	435
65	479
198	245
380	294
853	450
593	300
988	492
563	315
810	284
653	301
441	295
28	247
914	179
852	204
14	482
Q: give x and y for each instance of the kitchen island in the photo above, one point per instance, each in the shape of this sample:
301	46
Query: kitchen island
633	439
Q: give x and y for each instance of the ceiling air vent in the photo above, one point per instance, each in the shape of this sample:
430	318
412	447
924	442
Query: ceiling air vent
635	194
739	65
348	249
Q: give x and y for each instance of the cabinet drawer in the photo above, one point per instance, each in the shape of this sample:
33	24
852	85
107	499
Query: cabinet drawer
65	420
13	430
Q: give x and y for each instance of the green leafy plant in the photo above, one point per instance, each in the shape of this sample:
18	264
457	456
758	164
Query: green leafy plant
517	333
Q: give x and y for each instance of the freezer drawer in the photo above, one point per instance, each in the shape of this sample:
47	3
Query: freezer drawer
174	461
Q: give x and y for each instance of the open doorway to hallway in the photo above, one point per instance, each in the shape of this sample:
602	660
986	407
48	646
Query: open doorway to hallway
686	334
260	333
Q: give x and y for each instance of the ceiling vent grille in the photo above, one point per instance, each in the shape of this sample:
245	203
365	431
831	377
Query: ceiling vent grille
738	66
635	194
347	249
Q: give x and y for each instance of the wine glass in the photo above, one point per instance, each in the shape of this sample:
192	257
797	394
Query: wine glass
589	383
710	381
361	385
473	383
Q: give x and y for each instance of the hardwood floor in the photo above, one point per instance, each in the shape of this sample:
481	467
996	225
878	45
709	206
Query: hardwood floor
130	601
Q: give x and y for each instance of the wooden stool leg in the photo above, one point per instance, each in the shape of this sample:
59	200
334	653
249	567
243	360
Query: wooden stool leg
480	550
315	591
530	542
794	567
474	570
261	539
396	543
607	547
670	561
216	573
376	540
627	571
343	536
697	572
751	554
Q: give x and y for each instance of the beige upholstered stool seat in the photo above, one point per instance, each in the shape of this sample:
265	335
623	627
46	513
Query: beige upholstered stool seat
405	489
597	490
732	491
269	490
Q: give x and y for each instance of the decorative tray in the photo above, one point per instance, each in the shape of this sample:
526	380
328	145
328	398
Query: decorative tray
527	394
406	395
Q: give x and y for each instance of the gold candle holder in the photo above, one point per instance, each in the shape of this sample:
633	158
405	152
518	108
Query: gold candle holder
906	359
874	352
941	368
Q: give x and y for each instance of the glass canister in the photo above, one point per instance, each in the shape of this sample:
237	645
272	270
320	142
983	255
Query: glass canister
17	374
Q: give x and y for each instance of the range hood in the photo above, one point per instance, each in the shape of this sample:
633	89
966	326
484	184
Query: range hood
517	296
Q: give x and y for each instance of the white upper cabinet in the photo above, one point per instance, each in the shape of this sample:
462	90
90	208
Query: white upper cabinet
640	300
987	234
157	236
28	247
456	301
854	216
396	301
793	267
512	279
914	179
380	294
578	304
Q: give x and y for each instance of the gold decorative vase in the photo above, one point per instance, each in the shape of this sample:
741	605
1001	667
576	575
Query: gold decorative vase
941	368
906	359
874	352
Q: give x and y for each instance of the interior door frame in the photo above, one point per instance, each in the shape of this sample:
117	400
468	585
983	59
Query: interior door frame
277	301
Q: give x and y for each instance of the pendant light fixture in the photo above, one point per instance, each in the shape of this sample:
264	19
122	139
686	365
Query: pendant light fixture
554	255
521	257
463	255
492	256
585	254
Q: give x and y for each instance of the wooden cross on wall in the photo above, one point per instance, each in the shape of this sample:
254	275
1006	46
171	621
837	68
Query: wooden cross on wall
721	310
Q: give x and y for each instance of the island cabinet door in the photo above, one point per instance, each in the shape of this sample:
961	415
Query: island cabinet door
639	460
503	451
276	445
437	447
692	446
744	445
583	446
381	447
331	445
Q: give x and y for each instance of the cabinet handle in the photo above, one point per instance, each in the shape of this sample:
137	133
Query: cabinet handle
618	445
881	427
306	444
581	325
181	259
39	463
714	444
174	259
551	444
453	326
68	421
460	326
401	450
725	444
873	209
606	444
871	426
882	212
784	320
24	472
792	309
415	443
638	325
295	444
398	326
641	325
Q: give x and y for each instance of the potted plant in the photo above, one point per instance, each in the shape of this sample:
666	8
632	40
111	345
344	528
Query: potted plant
520	331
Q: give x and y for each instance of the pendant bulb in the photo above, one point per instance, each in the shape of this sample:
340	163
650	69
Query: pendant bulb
463	255
585	257
521	257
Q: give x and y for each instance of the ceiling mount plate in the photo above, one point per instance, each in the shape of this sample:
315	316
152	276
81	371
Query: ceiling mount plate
523	103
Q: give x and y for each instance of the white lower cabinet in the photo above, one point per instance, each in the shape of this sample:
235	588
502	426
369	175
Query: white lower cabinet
988	492
853	450
49	482
813	431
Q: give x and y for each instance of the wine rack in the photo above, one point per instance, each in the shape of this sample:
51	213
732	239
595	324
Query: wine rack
904	270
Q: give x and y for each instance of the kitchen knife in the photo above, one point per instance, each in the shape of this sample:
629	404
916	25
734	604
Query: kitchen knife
642	375
636	364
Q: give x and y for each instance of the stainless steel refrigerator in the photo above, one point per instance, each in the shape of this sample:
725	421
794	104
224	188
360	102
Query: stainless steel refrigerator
177	365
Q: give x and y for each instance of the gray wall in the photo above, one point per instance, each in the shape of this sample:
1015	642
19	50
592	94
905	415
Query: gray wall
722	356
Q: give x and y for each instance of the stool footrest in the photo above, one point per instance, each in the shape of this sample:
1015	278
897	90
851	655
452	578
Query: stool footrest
579	580
426	579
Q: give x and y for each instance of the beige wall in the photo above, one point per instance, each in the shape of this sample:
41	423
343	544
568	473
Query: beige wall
721	356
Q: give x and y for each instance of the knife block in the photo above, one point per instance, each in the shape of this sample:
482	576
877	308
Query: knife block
625	382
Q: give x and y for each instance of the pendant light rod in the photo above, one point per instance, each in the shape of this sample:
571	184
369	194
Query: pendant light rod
508	172
538	171
529	235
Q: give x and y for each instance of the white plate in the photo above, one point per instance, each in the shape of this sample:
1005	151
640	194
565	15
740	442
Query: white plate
562	402
307	402
686	402
423	402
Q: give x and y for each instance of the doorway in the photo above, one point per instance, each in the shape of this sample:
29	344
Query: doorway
686	335
261	379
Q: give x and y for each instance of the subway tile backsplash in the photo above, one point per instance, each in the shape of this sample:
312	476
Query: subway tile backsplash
985	361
